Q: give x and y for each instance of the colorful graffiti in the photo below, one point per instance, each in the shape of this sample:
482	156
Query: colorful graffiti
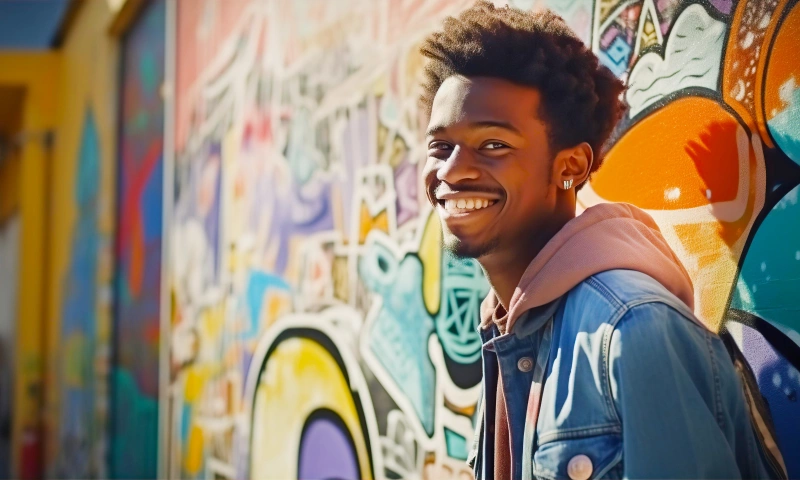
312	304
713	111
134	374
78	433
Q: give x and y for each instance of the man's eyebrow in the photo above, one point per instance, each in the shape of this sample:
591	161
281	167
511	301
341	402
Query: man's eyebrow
478	125
496	124
434	130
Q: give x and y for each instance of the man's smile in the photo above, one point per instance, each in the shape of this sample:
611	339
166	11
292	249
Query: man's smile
465	207
460	204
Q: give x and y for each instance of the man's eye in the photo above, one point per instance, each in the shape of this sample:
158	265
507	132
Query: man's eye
495	146
439	146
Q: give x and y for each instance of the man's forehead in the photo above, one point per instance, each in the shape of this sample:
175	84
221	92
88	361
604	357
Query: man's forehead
455	87
448	103
484	97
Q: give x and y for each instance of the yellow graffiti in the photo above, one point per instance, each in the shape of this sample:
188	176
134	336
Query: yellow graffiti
430	254
278	305
212	321
193	461
301	377
196	378
368	223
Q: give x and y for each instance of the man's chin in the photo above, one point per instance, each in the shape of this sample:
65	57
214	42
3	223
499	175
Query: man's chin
461	248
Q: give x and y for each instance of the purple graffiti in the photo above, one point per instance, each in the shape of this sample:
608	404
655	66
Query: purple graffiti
326	451
609	36
779	383
724	6
406	187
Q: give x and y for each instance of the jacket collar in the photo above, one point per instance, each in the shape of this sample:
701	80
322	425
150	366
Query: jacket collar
528	324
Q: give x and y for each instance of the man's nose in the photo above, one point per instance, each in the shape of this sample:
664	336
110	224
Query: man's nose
459	166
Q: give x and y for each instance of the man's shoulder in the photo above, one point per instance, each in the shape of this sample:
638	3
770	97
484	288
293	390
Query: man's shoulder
616	303
638	307
603	301
621	290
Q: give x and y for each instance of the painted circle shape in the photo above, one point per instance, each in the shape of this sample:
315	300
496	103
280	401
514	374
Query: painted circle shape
684	155
299	379
326	451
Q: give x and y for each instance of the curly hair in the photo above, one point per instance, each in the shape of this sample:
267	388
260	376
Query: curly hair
580	98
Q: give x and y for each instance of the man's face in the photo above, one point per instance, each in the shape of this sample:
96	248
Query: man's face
489	166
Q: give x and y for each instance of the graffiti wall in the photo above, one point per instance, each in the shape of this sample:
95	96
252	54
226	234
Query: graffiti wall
317	329
80	264
134	373
710	148
22	201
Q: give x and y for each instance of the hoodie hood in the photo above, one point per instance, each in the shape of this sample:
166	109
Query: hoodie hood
605	237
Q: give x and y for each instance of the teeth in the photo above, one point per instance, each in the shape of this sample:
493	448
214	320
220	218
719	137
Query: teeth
467	204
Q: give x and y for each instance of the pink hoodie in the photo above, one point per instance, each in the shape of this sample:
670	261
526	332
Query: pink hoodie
604	237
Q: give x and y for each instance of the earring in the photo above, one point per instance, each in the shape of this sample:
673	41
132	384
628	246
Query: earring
567	184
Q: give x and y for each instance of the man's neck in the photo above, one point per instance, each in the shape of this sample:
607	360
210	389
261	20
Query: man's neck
504	267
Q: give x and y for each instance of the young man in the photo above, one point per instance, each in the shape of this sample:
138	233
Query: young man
594	364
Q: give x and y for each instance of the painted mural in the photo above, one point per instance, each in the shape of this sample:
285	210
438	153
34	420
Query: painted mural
78	425
713	109
134	374
78	253
318	330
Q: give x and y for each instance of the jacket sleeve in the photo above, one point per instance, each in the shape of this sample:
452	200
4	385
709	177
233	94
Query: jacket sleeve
680	404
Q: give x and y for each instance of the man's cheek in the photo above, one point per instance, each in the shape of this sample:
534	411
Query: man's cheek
430	184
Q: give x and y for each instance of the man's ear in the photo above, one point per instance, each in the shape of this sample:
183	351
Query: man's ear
572	166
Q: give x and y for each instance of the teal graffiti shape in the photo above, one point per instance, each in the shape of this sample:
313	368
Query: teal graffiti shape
136	414
87	181
399	334
769	280
785	126
456	444
463	289
77	426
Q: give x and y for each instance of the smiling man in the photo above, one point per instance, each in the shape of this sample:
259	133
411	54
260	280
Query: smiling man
594	364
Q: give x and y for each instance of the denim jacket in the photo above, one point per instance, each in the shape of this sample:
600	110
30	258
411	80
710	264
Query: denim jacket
634	388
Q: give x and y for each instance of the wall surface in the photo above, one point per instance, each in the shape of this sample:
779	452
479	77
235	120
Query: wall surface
9	266
34	73
137	289
81	263
11	110
710	147
318	330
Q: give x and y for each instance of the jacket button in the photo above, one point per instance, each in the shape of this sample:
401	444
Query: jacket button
580	468
525	364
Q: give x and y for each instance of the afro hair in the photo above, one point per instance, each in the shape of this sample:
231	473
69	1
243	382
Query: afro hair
580	98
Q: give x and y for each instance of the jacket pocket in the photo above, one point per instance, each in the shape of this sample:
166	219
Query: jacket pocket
582	458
